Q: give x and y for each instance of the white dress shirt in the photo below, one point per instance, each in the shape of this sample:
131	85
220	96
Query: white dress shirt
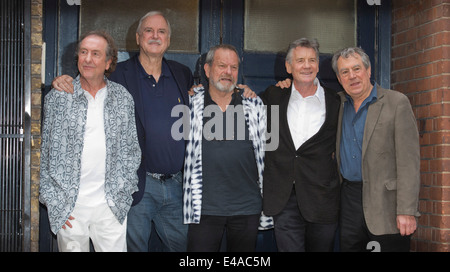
93	158
305	115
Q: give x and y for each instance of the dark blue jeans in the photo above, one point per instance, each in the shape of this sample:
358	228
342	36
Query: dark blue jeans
161	205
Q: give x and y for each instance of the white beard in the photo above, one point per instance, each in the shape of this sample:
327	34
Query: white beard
219	86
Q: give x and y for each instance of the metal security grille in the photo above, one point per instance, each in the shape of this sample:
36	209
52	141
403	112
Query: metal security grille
12	103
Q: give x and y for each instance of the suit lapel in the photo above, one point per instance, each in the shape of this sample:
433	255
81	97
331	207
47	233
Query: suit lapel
131	75
373	115
284	125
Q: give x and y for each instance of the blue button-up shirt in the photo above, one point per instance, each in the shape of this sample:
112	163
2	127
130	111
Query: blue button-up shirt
353	124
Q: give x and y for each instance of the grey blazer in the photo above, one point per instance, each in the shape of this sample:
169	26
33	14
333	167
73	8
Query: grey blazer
390	161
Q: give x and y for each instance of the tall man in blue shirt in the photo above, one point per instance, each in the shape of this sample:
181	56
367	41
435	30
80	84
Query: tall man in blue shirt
157	85
379	159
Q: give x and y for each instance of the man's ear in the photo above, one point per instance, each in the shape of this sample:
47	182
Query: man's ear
207	69
108	64
288	67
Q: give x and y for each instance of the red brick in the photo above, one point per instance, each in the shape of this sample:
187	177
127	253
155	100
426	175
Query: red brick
438	247
441	151
443	179
442	123
420	69
445	207
440	165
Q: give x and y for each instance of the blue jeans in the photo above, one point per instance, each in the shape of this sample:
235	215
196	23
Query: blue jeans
161	205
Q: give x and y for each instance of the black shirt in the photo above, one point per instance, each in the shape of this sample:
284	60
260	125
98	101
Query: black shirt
230	175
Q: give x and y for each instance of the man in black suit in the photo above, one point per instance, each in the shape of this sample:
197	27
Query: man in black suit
301	182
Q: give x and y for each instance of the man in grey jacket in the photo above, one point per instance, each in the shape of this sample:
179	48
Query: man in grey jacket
379	159
90	153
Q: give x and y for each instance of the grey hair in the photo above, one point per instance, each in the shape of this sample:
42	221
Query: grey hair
347	52
303	42
210	56
153	13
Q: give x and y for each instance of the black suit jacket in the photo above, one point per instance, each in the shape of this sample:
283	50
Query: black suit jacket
126	73
312	166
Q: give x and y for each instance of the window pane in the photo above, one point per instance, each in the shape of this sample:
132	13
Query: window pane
121	18
271	25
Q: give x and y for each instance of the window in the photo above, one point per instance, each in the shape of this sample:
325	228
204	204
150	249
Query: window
121	18
271	25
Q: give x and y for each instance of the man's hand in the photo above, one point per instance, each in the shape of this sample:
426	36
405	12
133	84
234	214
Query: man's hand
63	83
68	222
284	84
248	93
406	224
191	91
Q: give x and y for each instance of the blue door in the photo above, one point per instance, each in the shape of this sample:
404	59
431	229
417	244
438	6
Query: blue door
239	23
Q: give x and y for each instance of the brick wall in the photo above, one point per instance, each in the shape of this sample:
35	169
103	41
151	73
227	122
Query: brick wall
421	70
36	66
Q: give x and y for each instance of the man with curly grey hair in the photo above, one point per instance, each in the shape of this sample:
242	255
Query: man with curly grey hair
379	159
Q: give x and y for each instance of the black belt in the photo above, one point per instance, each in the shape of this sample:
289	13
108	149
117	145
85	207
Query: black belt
352	183
162	177
357	181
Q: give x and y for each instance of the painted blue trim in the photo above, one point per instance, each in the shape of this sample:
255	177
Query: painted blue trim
374	36
67	38
366	30
383	73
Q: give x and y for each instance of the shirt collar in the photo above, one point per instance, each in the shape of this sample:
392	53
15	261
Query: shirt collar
100	95
320	93
78	91
165	71
234	96
369	100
